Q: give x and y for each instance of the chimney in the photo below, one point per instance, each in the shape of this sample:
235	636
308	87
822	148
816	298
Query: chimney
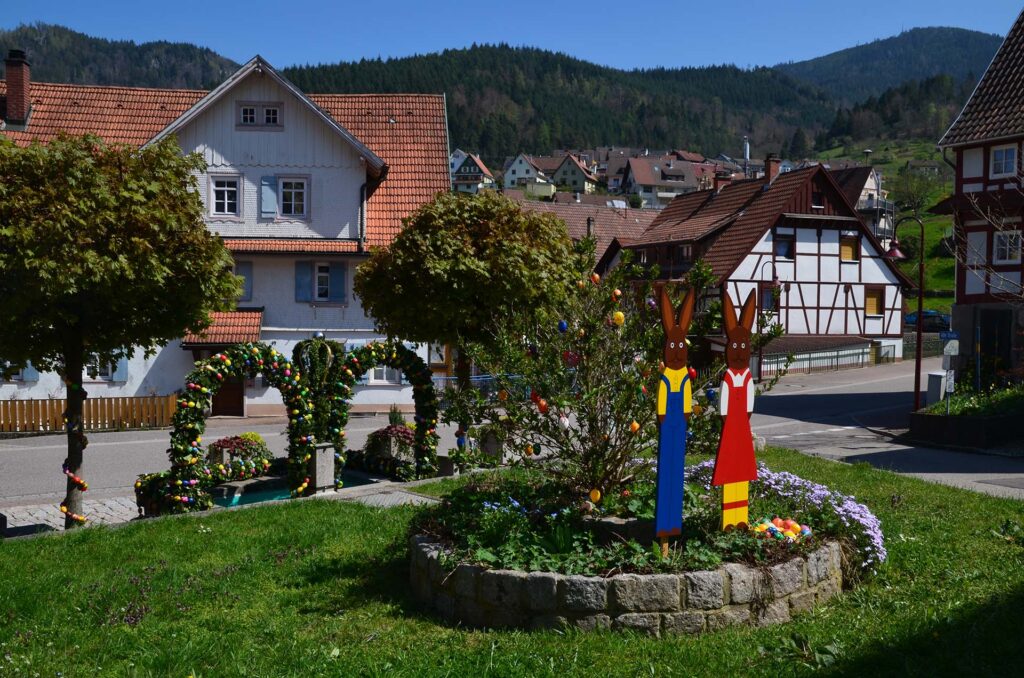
19	87
772	164
590	227
722	179
576	197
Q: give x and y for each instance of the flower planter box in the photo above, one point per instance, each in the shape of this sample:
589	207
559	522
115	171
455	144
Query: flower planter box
964	431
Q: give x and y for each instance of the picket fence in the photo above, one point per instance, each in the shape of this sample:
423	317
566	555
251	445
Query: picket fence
98	414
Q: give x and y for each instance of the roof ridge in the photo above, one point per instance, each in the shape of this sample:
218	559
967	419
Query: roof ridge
70	85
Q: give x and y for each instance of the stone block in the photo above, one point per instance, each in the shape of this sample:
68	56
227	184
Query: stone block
504	617
583	594
645	593
470	613
502	588
787	577
776	612
593	622
826	590
647	623
729	616
464	580
541	591
744	583
548	621
687	622
802	601
819	564
321	470
836	553
704	590
445	606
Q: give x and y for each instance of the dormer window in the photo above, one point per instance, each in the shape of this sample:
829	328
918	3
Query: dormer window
259	115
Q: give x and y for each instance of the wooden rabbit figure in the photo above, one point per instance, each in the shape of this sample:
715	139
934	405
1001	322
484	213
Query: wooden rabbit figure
735	465
674	406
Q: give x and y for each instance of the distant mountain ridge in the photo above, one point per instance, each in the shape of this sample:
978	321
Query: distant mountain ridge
852	75
504	99
59	54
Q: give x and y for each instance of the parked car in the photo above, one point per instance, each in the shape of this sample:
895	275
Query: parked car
934	321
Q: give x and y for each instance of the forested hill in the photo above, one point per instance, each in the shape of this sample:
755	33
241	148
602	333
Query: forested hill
854	74
59	54
503	99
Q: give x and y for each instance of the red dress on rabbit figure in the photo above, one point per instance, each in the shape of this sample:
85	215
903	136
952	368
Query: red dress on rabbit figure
735	462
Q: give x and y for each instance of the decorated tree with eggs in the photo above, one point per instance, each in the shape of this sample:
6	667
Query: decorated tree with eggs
578	380
103	251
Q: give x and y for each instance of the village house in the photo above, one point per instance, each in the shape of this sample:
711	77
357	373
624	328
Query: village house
987	206
298	186
797	242
658	180
863	188
572	174
472	176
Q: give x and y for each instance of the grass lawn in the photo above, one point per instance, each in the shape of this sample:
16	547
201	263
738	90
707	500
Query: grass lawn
319	588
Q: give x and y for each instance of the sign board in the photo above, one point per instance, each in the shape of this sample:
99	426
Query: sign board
949	381
951	347
949	335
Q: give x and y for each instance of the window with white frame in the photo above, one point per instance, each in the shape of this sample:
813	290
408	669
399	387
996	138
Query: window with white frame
97	369
247	115
1006	247
14	376
225	196
322	282
270	115
383	374
1004	161
293	197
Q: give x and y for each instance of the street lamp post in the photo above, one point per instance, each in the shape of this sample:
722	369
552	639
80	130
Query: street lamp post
776	286
895	255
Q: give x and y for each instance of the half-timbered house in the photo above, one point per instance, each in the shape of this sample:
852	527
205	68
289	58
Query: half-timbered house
987	206
794	239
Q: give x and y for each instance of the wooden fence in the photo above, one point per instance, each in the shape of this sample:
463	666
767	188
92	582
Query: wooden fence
99	414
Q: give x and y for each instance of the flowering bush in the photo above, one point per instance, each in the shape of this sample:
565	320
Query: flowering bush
838	514
388	451
245	447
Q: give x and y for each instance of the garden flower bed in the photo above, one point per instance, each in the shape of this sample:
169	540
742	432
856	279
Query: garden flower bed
518	549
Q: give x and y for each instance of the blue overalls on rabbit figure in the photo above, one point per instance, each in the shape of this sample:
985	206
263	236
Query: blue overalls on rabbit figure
674	403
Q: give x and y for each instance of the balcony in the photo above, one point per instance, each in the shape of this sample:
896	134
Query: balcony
875	204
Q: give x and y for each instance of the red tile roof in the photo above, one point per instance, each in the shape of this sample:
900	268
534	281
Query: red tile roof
996	108
289	245
608	222
408	131
228	327
587	174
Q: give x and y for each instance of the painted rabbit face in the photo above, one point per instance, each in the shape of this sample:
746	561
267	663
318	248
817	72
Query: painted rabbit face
676	326
738	334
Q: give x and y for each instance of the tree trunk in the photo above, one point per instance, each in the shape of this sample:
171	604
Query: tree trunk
76	396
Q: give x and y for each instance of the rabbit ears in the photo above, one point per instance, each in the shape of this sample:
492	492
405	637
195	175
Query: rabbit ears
747	315
669	318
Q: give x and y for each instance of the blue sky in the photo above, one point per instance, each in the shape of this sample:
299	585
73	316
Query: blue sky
622	34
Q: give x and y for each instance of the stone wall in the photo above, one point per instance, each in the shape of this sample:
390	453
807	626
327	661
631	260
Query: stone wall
655	604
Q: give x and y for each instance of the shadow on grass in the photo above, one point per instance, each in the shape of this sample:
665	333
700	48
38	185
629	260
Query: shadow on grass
370	580
979	641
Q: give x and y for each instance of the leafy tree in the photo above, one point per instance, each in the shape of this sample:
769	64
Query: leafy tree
102	250
461	264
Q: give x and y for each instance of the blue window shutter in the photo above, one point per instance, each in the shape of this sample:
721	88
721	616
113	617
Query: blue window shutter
339	274
121	370
29	373
303	281
268	197
244	269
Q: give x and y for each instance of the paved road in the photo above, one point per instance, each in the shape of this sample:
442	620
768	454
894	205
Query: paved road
30	467
851	416
833	415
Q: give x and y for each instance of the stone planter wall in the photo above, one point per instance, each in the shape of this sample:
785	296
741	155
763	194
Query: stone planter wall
655	604
965	430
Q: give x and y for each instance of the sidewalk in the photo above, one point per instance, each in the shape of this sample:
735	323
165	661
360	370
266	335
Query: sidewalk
40	518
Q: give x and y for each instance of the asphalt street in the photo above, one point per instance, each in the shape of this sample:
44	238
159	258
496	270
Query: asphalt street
846	416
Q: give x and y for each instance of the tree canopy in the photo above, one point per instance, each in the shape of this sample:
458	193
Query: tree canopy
461	263
103	250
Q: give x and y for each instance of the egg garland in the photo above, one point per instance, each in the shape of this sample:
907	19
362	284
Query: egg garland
786	530
80	484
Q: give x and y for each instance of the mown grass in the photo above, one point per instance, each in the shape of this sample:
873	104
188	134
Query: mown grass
319	588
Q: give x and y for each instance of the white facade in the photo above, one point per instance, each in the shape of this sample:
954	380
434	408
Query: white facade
522	171
823	294
301	148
